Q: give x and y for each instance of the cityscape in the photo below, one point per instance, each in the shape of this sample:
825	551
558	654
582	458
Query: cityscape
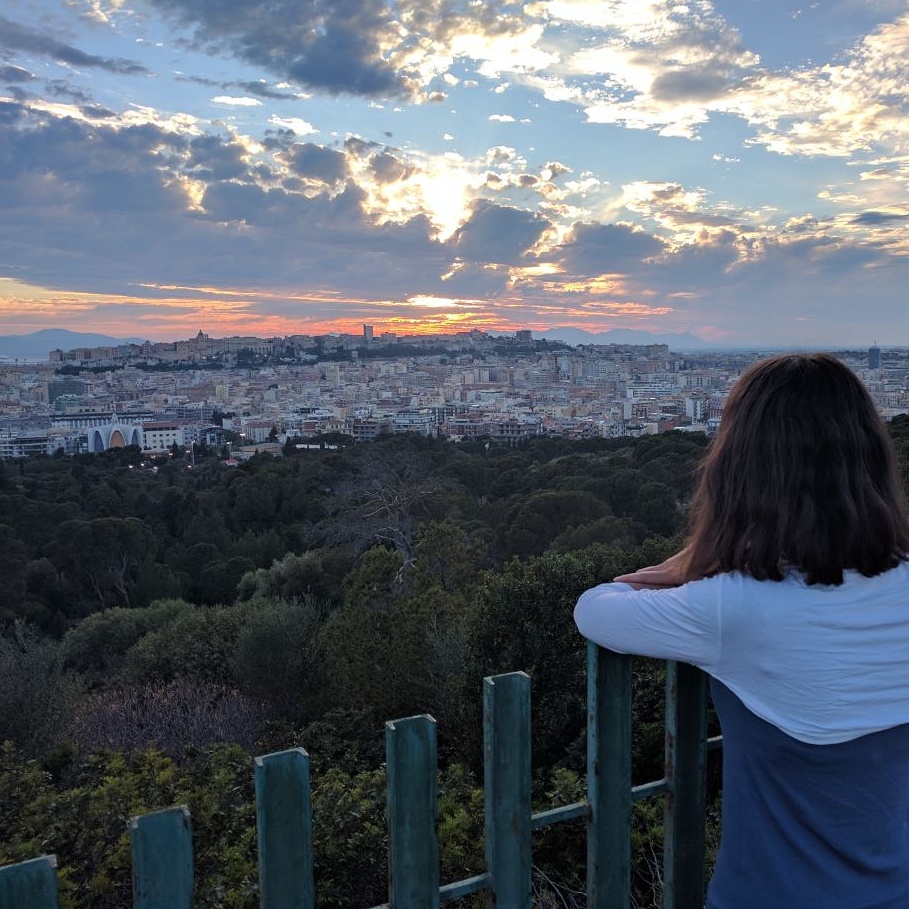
248	395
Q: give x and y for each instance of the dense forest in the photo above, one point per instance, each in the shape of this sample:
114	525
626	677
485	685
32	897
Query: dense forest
162	621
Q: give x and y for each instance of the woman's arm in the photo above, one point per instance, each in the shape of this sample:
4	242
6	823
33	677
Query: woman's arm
663	618
670	573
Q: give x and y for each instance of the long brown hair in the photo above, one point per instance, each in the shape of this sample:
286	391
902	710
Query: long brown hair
801	475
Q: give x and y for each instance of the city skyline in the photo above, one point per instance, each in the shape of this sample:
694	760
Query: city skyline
733	170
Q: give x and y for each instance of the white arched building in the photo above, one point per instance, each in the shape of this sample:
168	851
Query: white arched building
113	435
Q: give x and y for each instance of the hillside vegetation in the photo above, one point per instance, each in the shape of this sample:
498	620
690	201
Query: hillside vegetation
163	623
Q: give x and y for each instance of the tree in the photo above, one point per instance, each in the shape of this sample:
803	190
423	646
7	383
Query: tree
521	621
447	557
317	573
656	508
104	557
13	564
382	502
198	643
97	646
38	693
278	657
376	643
540	518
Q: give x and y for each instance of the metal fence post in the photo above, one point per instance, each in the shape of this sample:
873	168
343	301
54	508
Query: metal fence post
284	827
506	788
162	859
413	848
31	884
608	779
686	761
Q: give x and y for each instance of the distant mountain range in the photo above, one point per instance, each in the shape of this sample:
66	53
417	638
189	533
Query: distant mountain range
575	336
39	344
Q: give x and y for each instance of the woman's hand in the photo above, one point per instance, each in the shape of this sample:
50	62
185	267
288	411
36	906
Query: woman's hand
670	573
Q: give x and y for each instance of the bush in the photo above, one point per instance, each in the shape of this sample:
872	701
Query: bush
170	717
37	692
99	643
278	658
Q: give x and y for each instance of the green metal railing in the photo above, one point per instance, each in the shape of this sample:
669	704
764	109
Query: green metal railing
162	841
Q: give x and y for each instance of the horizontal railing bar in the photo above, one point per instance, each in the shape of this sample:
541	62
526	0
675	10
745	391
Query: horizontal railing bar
464	888
714	743
557	815
457	889
582	809
646	790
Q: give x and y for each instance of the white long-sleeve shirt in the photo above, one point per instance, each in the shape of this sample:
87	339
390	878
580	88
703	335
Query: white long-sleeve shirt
824	664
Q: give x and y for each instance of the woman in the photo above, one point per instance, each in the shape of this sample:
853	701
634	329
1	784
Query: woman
793	595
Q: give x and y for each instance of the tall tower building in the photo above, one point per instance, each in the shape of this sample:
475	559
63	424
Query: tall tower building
874	356
367	332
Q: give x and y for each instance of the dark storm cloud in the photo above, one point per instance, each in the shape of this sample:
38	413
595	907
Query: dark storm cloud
773	278
333	46
261	90
596	249
20	94
880	217
698	217
477	281
10	113
57	88
15	37
361	148
497	233
387	168
316	162
694	266
213	159
278	138
97	112
690	85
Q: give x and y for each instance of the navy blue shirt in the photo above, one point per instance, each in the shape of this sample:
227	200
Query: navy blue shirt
806	825
811	683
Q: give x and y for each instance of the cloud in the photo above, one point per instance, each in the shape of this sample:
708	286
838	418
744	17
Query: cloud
689	85
837	109
15	37
880	217
113	209
336	47
599	249
648	64
497	233
296	125
553	169
362	47
12	73
236	102
316	162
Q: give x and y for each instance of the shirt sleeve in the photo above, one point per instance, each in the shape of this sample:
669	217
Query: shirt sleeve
678	623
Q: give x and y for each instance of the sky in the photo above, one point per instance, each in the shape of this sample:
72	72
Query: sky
737	170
